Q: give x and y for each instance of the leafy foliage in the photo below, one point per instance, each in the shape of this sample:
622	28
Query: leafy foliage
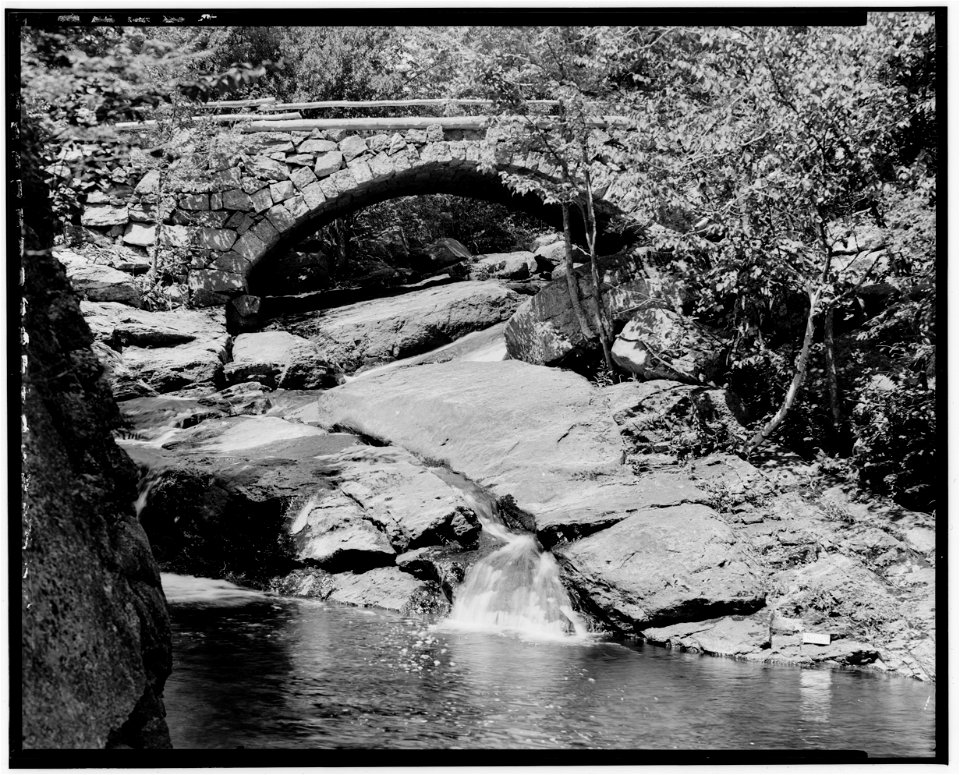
896	448
753	156
78	82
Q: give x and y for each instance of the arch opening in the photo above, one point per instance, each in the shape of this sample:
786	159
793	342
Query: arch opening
276	272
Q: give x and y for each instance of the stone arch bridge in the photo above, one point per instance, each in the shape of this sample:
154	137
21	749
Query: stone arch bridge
211	218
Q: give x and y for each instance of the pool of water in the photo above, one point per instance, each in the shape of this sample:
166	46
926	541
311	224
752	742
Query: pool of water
255	671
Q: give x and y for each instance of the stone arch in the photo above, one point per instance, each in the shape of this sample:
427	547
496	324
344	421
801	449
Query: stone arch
426	179
224	220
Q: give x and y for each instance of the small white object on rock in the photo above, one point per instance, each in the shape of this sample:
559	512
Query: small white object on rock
817	638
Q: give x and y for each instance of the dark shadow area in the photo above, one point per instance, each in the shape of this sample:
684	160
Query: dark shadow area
293	266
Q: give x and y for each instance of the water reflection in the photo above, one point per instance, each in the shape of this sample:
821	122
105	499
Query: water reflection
280	673
815	695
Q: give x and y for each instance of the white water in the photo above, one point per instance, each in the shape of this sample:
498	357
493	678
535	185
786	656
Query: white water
516	588
184	590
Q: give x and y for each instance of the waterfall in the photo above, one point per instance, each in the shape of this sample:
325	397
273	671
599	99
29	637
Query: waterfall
146	486
516	588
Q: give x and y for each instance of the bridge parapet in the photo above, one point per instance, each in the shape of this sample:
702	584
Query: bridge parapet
209	218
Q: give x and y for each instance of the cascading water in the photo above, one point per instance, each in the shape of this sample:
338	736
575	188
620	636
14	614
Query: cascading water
517	588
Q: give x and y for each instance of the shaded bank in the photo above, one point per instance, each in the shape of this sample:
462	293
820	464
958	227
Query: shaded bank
95	630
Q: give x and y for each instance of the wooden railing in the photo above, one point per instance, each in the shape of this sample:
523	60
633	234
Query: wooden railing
269	115
268	104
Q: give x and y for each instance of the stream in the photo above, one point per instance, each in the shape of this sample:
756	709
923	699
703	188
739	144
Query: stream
262	671
511	667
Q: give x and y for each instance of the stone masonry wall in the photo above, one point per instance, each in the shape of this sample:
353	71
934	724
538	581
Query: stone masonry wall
208	218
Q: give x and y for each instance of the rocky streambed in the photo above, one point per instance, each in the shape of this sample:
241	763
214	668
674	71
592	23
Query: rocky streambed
352	454
716	556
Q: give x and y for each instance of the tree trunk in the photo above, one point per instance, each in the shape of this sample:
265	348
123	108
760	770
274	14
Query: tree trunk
341	233
833	383
572	285
799	375
603	324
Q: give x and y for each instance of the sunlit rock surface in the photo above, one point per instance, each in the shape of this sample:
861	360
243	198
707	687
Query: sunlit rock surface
373	332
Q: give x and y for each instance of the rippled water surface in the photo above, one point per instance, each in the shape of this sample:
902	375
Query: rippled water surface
267	672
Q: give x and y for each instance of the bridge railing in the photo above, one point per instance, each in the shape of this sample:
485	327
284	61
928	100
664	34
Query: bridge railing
285	116
269	104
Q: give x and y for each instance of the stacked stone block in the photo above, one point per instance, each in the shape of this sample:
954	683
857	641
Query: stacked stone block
213	220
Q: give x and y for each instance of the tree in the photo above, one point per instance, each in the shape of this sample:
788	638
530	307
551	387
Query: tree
761	147
78	82
569	66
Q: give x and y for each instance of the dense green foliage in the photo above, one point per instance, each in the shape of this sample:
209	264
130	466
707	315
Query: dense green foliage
754	156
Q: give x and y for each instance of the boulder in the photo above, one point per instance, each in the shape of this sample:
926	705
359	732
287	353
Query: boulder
95	645
388	588
732	636
219	491
409	504
446	251
117	322
519	265
551	255
121	379
260	497
837	595
662	416
663	344
444	565
278	359
172	368
544	329
660	566
164	350
98	282
545	239
330	530
387	329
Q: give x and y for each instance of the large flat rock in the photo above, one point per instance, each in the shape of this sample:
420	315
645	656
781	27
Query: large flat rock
660	566
649	551
388	329
163	350
388	588
260	495
99	282
378	502
544	329
542	436
120	324
278	359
